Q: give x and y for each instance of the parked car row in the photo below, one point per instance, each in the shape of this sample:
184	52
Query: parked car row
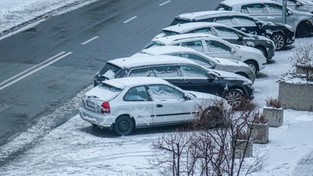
200	58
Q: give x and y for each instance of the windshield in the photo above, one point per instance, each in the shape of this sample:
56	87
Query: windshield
179	21
153	44
169	33
109	71
223	7
110	88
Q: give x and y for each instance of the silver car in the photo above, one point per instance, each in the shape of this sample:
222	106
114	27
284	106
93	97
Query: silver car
301	5
237	67
125	104
268	10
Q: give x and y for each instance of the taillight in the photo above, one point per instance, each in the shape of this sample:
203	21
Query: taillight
105	107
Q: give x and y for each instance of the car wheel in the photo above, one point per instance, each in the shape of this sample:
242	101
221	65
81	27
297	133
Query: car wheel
279	41
304	29
234	97
253	65
124	125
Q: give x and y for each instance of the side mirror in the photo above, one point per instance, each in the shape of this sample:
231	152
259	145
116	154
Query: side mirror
240	37
289	12
299	4
233	51
259	24
186	97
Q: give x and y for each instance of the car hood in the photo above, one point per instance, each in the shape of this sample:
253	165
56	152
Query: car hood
204	96
232	76
230	62
100	93
249	49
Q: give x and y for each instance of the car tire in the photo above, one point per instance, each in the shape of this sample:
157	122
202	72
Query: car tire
234	97
253	65
304	29
279	41
124	125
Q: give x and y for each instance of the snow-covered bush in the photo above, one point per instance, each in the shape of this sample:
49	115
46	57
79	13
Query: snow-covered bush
303	59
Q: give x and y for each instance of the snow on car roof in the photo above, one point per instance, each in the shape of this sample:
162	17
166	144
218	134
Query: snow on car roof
186	27
236	2
134	81
173	38
206	14
143	60
166	49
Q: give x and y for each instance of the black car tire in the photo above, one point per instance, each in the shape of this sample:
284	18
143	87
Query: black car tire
279	41
124	125
253	65
304	29
235	97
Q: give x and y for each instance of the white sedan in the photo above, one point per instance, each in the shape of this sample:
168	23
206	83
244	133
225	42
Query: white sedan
125	104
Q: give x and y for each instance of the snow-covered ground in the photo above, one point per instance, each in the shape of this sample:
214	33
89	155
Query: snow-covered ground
75	148
18	12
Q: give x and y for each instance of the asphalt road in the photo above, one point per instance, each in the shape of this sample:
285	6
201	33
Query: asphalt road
45	66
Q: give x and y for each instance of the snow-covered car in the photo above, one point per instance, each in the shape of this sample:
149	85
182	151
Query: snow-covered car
125	104
301	5
215	47
183	73
225	32
281	34
234	66
268	10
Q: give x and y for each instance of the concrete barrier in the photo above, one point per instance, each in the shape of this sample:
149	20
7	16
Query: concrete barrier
296	96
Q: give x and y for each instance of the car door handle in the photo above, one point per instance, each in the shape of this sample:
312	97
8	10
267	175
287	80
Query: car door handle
159	105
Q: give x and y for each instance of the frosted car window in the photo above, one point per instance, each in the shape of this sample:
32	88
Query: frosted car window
166	71
196	45
217	47
165	93
140	72
274	9
224	20
226	33
197	59
206	31
254	9
137	94
153	44
109	71
193	72
244	21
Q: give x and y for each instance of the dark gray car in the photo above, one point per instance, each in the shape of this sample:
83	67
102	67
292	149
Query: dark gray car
227	33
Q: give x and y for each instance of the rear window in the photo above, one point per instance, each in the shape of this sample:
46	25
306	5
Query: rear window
223	7
179	21
110	71
110	88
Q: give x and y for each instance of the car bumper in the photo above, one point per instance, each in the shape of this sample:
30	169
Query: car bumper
270	53
291	39
97	119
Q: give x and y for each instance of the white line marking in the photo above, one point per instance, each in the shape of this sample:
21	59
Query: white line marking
90	40
166	2
130	19
51	61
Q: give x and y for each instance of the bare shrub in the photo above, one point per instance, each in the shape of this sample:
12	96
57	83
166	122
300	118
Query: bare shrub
273	102
303	59
208	149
